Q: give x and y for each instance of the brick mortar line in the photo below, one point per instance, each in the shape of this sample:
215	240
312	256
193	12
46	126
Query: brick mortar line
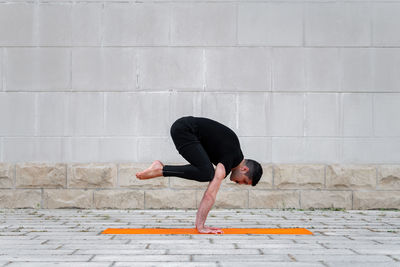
193	189
102	23
189	1
371	20
169	90
3	78
236	22
197	46
2	149
204	76
104	100
14	181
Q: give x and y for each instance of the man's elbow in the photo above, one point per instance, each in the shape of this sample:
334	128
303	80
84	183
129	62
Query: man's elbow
209	197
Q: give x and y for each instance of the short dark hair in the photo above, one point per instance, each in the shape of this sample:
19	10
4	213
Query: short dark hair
255	171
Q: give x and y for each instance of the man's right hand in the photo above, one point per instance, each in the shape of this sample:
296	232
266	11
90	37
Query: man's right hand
209	230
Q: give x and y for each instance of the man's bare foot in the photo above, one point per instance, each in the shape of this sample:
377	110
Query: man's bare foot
155	170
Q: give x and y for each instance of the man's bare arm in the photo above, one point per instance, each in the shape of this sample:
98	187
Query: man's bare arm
208	201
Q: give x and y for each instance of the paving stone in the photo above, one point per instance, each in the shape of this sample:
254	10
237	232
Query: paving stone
60	264
47	237
362	264
34	258
342	258
242	258
273	264
168	264
209	251
121	251
135	258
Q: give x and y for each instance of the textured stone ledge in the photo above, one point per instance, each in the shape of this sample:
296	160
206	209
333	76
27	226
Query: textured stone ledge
113	185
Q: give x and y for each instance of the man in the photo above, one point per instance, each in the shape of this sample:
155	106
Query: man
204	142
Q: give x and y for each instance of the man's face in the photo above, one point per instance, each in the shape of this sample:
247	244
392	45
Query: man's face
241	179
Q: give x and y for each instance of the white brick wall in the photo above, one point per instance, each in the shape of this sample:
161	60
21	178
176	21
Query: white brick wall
299	81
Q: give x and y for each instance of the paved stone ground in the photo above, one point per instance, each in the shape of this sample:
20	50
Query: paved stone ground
72	238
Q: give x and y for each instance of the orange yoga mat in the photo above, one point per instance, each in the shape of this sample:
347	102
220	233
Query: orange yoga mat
193	231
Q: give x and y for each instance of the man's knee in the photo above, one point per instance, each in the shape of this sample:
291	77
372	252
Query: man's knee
176	128
207	172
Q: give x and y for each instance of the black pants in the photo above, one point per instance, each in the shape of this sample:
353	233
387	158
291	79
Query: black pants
183	133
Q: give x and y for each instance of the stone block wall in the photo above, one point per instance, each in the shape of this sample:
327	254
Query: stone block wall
110	185
312	83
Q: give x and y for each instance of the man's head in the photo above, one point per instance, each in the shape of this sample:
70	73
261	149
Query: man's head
248	172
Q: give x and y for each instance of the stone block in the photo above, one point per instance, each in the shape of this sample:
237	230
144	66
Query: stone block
337	24
52	111
295	176
152	148
306	150
326	199
220	107
273	199
184	104
21	198
386	75
119	199
127	177
287	149
17	114
385	105
92	175
289	71
118	149
167	199
1	68
322	114
38	69
86	23
149	107
67	198
385	22
356	69
257	148
41	175
287	114
181	183
322	69
103	69
85	114
271	24
32	149
138	23
322	149
166	68
82	149
389	176
119	108
366	150
6	175
376	200
51	19
254	106
16	27
228	199
350	176
357	114
203	24
238	69
18	149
